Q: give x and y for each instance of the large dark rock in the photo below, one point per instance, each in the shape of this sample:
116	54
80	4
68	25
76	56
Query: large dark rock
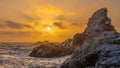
98	46
97	56
49	50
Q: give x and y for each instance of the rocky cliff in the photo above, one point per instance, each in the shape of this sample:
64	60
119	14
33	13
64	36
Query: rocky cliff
98	46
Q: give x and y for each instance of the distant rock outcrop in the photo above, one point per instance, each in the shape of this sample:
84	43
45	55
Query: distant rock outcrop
98	46
47	50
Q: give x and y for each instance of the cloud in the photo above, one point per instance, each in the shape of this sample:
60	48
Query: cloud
1	23
60	17
6	32
28	17
75	24
2	26
11	24
59	25
19	33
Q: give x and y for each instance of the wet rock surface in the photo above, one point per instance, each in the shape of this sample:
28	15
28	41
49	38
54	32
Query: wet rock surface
49	50
98	46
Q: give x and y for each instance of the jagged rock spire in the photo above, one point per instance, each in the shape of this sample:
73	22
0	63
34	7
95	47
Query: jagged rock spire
99	22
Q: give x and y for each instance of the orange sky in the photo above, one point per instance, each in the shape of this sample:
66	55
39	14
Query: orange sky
53	20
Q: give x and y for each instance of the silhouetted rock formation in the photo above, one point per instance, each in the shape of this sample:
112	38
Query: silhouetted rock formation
98	46
99	24
47	50
67	44
71	44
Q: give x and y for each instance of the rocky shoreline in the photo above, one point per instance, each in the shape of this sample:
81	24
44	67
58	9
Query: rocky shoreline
99	46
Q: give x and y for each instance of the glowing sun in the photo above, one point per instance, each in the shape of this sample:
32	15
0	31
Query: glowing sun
49	28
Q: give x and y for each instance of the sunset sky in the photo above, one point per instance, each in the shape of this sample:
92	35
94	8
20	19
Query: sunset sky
52	20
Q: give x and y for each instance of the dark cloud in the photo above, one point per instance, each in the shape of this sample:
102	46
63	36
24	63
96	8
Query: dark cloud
59	25
11	24
61	17
75	24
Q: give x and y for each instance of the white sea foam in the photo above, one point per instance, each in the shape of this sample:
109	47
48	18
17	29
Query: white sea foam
16	56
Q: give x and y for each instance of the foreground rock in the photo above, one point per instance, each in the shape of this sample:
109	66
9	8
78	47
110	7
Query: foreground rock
49	50
98	46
